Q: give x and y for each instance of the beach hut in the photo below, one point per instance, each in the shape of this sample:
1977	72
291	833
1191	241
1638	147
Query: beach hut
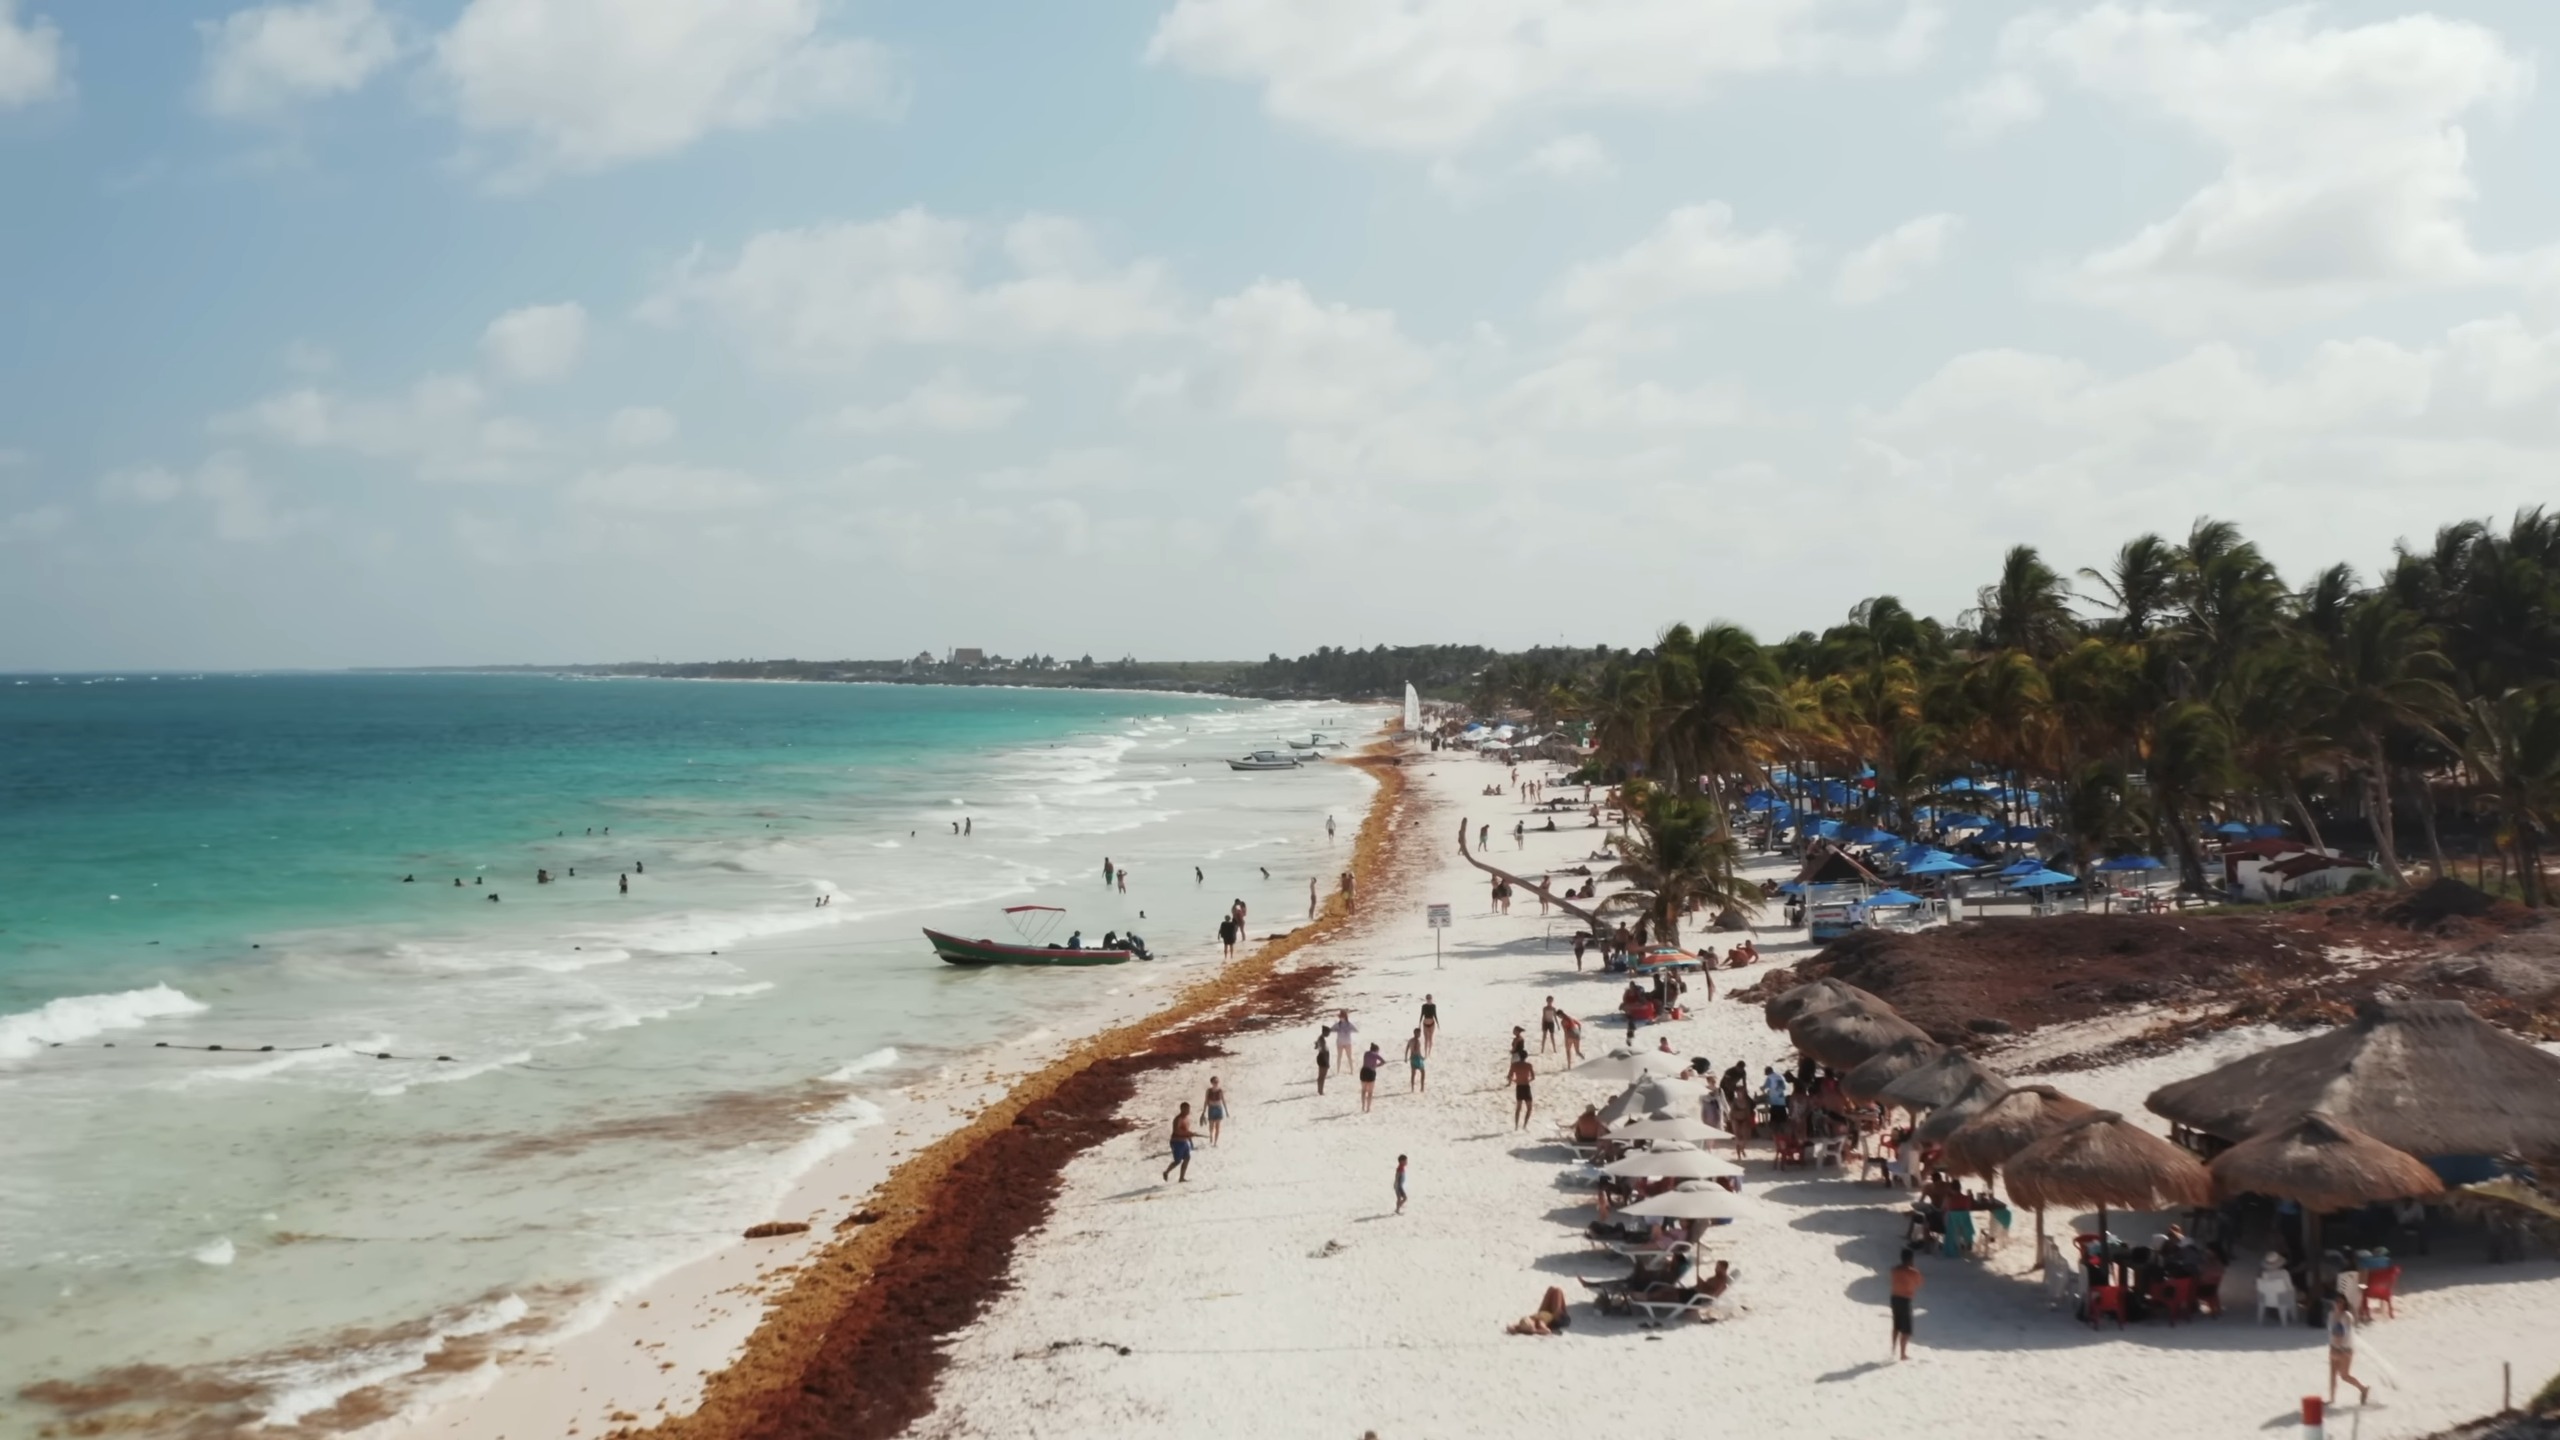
1950	1117
1694	1200
2424	1076
2103	1162
1624	1064
1843	1038
1871	1075
1655	1093
1935	1084
1669	1126
1670	1165
1818	995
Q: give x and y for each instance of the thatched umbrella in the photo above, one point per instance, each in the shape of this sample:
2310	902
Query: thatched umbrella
2325	1164
2423	1076
1950	1117
1884	1067
1986	1137
2018	1118
1842	1038
1816	995
1938	1083
2104	1161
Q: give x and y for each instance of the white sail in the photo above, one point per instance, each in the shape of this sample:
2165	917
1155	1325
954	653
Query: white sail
1412	711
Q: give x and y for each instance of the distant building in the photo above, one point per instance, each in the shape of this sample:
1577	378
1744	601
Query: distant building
966	655
924	660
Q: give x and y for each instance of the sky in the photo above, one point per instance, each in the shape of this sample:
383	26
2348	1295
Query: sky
386	332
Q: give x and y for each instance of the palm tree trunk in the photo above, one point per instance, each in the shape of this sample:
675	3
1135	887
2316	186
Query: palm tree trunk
2190	855
2302	812
2427	818
2377	786
2529	864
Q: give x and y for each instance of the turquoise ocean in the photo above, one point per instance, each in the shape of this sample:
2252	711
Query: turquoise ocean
585	1086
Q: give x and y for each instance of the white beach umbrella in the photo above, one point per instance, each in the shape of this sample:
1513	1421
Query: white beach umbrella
1671	1165
1669	1127
1623	1064
1695	1201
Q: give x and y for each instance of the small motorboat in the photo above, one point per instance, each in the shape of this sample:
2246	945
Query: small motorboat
1034	923
1265	760
1316	741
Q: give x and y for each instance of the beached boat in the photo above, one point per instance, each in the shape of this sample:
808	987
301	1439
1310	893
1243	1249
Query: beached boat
1034	923
1317	742
1265	760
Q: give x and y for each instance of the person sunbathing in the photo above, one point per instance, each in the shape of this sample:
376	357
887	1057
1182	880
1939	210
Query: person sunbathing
1550	1316
1587	1127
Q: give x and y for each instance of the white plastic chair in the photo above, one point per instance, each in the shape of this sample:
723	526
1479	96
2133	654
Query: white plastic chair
2275	1297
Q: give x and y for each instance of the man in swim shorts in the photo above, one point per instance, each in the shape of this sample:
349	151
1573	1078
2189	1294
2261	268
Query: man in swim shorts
1182	1143
1522	1073
1907	1280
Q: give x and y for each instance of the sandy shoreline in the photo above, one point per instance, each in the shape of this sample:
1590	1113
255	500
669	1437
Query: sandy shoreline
708	1341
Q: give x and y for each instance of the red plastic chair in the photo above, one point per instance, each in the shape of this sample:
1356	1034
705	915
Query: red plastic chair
2378	1285
2177	1297
2106	1300
1790	1151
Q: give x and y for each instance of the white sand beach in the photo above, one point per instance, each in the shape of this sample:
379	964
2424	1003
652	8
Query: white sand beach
1276	1294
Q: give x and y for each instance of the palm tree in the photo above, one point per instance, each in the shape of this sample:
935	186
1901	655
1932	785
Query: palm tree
2189	771
2383	677
2141	587
2514	748
1734	704
2028	609
1681	856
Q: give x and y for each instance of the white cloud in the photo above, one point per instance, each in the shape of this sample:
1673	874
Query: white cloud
2005	100
442	424
668	489
1433	75
1886	265
536	344
1584	392
639	427
947	403
34	65
1570	157
38	525
1693	254
827	295
2344	175
267	59
585	85
237	506
1282	354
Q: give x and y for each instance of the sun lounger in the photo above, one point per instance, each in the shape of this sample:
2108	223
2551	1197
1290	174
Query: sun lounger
1658	1313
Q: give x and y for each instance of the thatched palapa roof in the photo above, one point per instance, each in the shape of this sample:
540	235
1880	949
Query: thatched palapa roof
1846	1037
1927	1087
2021	1116
1888	1065
2104	1161
1969	1102
2324	1164
2424	1076
1816	995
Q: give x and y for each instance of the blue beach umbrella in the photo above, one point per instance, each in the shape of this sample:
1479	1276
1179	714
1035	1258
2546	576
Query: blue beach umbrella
1939	865
2043	879
1895	897
2266	832
2016	868
1791	887
2232	828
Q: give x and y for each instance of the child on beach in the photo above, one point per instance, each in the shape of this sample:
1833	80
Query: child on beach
1213	1108
1907	1281
1181	1143
1399	1184
2342	1350
1416	1080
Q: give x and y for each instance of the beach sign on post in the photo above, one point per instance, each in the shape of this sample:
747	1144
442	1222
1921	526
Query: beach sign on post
1438	916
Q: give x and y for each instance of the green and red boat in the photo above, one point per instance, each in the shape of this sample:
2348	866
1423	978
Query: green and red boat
1035	921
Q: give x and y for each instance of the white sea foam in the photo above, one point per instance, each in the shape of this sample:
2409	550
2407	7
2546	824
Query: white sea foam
448	1074
298	1390
880	1059
81	1017
219	1252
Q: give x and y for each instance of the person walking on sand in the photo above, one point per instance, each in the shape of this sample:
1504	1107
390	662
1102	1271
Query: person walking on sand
1213	1109
1328	828
1399	1170
1581	939
1227	937
1430	1021
1181	1143
1522	1103
1547	1027
1324	1057
2342	1350
1572	1036
1416	1079
1311	897
1343	1031
1369	1060
1907	1280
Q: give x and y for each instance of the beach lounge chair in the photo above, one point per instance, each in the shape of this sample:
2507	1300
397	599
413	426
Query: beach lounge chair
1659	1313
1637	1250
1819	1153
2379	1285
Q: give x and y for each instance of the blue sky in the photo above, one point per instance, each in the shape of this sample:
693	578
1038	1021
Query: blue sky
388	331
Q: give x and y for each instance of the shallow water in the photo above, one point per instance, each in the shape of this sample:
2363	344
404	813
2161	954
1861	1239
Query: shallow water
190	863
